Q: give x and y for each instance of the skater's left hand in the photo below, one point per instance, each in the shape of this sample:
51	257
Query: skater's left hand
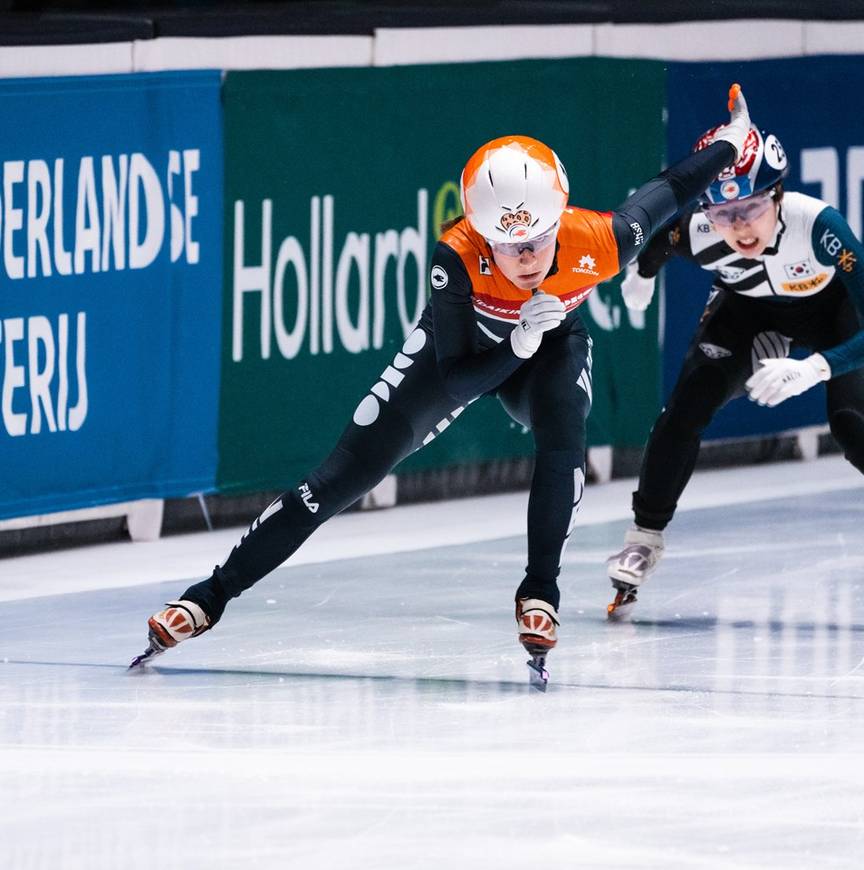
780	379
738	128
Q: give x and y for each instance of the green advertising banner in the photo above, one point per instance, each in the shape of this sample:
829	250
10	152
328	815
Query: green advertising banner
337	181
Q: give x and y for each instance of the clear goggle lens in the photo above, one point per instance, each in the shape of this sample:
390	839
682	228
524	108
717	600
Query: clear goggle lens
537	244
747	210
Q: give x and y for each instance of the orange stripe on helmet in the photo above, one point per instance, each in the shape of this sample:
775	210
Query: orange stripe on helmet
532	147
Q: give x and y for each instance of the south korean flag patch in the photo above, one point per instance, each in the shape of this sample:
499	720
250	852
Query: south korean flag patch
799	270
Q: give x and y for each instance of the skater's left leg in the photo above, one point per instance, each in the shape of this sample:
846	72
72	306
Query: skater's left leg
357	464
551	395
380	435
845	393
846	415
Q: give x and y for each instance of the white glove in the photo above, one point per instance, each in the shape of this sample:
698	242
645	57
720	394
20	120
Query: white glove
537	315
738	128
636	290
780	379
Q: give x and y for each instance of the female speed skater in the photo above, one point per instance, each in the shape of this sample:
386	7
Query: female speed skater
787	272
506	282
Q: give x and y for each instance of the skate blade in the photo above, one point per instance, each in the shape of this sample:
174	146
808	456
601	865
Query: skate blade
622	607
147	656
538	676
620	612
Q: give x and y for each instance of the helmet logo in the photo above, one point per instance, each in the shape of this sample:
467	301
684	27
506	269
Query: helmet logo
516	224
730	190
775	156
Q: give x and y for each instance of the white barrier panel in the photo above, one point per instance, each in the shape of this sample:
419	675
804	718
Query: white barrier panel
716	40
24	61
252	52
416	45
833	37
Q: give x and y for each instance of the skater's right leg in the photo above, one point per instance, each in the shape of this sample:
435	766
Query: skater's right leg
667	465
673	445
551	396
717	364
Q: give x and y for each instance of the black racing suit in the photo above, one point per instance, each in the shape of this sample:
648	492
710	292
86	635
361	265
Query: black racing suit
445	363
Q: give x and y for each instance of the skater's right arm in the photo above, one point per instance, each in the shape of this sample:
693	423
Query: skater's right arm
467	370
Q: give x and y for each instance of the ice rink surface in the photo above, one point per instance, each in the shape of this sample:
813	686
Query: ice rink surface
367	707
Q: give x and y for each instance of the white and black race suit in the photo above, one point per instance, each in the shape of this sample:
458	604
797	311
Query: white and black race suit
805	290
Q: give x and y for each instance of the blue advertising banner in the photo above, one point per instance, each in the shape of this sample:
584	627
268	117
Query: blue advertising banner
808	103
111	272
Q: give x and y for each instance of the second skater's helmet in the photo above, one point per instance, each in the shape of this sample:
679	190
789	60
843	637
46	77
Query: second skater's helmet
762	164
513	190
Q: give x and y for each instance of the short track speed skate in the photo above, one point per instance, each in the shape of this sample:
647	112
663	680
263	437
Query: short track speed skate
643	549
537	622
179	620
625	600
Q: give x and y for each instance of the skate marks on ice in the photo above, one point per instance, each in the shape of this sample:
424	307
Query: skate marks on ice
475	690
759	555
773	573
374	714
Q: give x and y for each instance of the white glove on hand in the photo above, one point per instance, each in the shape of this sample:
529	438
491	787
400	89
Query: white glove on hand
537	315
780	379
738	128
636	290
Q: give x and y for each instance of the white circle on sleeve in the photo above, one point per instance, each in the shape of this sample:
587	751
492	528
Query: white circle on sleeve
439	277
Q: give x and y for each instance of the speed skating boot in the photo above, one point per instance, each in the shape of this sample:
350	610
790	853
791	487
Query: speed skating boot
643	549
178	621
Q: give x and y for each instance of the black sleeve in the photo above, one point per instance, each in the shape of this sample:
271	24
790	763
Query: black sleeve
467	370
669	241
645	211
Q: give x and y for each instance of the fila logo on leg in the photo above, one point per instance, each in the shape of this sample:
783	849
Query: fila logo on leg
308	498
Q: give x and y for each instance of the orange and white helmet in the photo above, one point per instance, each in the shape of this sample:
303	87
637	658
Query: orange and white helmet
513	189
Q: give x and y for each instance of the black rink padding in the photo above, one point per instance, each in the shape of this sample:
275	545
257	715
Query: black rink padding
78	21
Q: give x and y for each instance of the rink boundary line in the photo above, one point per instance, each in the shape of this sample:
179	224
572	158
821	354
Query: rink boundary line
507	686
407	528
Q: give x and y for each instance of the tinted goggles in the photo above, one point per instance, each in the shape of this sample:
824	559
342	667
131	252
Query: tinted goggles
746	210
537	244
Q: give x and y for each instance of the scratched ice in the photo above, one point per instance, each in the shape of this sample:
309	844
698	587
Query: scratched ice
374	712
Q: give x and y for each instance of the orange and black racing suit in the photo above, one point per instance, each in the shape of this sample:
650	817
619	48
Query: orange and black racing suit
461	350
